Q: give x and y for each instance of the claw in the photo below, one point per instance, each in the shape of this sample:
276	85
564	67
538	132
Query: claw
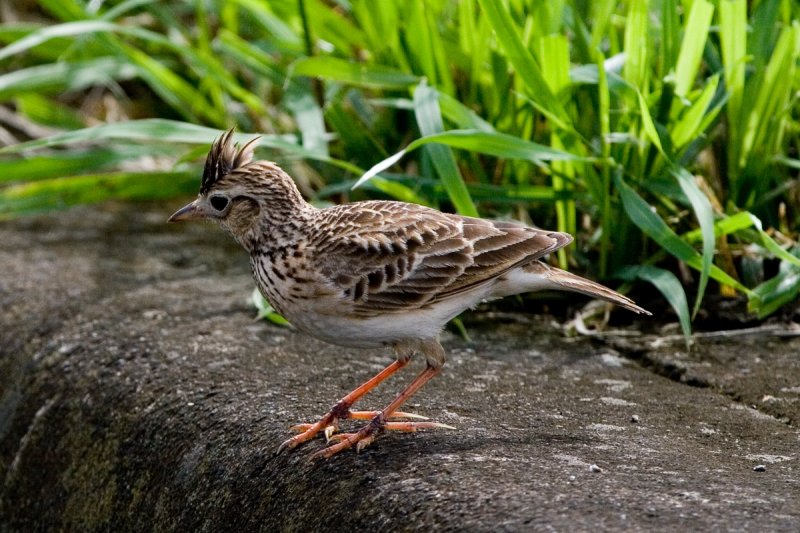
288	444
403	414
345	441
329	431
369	415
307	432
363	443
339	437
412	427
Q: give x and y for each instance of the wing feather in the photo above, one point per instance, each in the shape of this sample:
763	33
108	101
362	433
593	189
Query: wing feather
389	257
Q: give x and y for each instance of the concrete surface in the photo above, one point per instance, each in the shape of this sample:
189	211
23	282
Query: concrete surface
138	393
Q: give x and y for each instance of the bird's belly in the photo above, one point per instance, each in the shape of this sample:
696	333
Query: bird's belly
326	316
359	332
345	329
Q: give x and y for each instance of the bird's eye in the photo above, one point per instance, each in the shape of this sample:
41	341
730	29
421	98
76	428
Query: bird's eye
219	202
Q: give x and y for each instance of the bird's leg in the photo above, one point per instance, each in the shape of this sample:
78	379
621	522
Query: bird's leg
435	355
368	433
342	408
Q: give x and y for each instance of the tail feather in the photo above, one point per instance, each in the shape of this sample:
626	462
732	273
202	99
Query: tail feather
563	280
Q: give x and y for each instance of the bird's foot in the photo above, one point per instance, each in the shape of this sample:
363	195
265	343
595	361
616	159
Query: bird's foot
329	424
368	433
380	420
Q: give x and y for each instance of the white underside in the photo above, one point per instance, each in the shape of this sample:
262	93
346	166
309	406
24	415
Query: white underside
426	323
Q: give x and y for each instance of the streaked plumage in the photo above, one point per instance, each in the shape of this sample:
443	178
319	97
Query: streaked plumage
373	273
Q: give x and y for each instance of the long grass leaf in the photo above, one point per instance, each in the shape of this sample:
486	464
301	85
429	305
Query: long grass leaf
554	58
429	119
242	52
770	244
66	76
669	286
489	143
175	90
637	44
670	36
60	193
64	10
43	35
602	189
778	291
694	40
276	28
125	7
309	119
461	115
723	226
690	124
733	37
72	162
705	217
334	69
499	145
147	130
647	122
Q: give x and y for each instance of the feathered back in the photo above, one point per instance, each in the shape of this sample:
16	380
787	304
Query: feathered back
223	158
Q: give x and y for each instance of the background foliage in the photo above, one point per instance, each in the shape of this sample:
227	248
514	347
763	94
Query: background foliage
663	133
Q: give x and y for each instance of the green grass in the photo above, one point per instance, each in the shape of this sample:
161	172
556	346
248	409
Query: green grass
658	132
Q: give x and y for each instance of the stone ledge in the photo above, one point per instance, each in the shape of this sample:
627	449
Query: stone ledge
139	394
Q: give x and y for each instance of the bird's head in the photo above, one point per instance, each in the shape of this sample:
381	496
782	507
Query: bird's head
244	197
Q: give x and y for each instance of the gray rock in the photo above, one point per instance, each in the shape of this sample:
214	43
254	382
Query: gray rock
139	394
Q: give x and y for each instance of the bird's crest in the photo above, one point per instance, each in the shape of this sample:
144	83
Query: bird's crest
223	158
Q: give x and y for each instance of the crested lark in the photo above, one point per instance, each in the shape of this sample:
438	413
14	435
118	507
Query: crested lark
372	274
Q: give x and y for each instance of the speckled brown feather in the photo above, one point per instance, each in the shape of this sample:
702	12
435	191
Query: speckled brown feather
390	257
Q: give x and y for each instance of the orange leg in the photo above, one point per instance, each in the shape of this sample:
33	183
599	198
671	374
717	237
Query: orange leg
341	409
368	433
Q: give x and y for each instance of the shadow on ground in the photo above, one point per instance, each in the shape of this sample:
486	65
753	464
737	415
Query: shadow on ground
138	393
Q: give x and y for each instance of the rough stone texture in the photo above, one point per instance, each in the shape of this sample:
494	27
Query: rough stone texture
138	393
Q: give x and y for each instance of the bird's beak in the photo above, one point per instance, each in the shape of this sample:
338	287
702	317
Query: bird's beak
192	211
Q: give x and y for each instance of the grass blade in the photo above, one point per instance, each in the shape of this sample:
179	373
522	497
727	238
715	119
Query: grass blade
429	119
690	124
779	290
147	130
694	40
669	286
60	193
483	142
66	76
334	69
705	217
733	37
69	29
637	44
72	162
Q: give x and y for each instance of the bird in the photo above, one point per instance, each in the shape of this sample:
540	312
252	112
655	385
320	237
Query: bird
372	274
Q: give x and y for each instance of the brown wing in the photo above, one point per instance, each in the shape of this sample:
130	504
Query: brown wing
391	256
